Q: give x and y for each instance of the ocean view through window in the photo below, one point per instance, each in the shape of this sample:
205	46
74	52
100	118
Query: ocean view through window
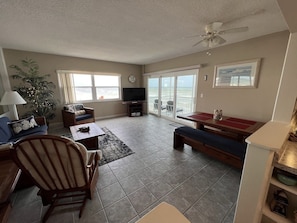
83	86
173	93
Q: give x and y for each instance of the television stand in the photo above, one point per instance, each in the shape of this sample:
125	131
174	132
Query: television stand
134	108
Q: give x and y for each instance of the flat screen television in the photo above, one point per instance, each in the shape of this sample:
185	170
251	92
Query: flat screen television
133	94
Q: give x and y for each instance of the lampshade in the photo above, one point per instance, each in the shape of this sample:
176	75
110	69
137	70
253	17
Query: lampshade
12	98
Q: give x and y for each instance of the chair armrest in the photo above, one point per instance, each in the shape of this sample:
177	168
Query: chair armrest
68	118
5	151
88	108
68	112
89	111
93	155
40	120
92	164
91	160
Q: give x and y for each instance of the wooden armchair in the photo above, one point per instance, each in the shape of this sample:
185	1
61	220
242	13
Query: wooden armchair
75	114
60	167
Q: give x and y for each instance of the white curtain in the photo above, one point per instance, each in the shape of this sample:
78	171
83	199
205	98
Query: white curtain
66	86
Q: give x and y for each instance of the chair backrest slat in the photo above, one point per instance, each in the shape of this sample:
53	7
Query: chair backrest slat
55	163
72	166
31	161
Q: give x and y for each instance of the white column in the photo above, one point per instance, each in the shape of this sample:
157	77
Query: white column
257	171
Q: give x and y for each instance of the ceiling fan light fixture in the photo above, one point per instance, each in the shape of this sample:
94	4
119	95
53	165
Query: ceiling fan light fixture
217	40
211	43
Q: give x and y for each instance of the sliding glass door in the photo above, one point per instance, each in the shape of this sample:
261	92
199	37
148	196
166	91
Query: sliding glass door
186	93
173	93
153	95
168	96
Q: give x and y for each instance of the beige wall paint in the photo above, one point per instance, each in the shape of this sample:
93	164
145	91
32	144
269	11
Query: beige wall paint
286	97
50	63
256	103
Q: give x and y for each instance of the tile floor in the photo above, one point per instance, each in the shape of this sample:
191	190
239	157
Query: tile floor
203	189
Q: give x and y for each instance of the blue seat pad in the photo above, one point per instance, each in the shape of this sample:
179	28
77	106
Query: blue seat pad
82	117
38	130
228	145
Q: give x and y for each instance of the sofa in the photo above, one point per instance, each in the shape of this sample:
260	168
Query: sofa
11	131
76	114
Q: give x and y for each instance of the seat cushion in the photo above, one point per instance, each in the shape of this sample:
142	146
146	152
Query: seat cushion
225	144
22	125
5	132
38	130
83	117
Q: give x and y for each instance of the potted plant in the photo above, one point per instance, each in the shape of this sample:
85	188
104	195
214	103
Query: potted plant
35	89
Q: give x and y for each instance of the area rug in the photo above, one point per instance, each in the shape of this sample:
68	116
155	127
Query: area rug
112	147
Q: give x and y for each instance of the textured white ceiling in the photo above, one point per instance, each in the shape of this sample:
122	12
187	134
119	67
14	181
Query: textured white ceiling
129	31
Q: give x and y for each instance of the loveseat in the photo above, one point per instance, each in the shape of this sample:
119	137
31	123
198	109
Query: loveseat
11	131
75	114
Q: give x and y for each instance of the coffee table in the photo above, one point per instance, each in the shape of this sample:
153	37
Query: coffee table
88	139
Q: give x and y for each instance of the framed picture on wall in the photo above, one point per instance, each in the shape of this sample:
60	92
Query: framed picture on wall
243	74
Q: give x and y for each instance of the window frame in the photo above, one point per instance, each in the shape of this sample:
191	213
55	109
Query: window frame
93	86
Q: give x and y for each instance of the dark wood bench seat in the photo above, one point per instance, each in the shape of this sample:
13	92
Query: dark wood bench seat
222	148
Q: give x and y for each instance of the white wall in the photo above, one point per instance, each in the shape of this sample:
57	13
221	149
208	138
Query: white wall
287	92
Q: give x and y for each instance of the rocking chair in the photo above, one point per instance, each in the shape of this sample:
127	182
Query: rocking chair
59	167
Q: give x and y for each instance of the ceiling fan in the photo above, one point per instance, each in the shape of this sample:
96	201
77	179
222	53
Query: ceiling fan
212	36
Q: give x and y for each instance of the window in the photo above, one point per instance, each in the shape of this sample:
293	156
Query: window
79	86
82	87
107	87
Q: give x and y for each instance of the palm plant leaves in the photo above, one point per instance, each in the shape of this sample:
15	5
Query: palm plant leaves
35	89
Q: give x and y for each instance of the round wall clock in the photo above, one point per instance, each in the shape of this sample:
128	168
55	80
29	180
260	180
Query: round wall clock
132	78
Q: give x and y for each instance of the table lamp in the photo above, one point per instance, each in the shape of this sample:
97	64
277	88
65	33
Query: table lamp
12	98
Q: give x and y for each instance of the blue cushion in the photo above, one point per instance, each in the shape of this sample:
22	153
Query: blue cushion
83	117
22	125
228	145
39	130
5	132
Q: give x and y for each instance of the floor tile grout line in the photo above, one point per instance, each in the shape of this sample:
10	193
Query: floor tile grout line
228	212
206	191
113	127
103	209
173	189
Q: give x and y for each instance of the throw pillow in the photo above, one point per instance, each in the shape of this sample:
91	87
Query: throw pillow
78	107
80	112
69	108
23	124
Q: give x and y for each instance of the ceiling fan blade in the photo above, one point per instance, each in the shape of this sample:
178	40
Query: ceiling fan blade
198	42
253	13
218	40
192	36
213	26
234	30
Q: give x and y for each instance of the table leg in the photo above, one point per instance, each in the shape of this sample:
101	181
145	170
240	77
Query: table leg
90	143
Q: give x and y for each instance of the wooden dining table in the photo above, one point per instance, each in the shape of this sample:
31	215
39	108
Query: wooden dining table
229	126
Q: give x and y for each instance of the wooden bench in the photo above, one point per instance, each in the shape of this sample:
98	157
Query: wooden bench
222	148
